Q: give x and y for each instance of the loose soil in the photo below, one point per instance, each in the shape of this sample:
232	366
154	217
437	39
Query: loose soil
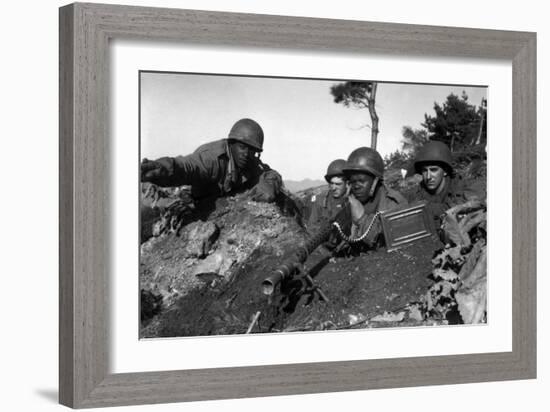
252	239
357	288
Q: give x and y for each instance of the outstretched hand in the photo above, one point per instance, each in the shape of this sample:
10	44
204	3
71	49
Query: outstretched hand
267	188
150	170
262	194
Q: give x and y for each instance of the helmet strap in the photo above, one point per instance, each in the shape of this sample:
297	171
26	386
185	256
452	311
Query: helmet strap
373	186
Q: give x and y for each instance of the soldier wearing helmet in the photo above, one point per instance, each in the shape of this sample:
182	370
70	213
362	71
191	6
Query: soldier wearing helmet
327	204
439	188
365	172
219	168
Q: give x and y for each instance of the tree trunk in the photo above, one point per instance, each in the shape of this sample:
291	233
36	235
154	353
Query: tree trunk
478	141
373	116
453	135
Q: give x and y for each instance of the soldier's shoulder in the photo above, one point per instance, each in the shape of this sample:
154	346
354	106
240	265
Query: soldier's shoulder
318	196
417	193
215	148
396	196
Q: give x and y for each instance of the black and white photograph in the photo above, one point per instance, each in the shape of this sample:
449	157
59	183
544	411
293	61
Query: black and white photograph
234	205
279	205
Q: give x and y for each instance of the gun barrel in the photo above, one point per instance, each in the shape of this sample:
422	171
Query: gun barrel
284	271
287	268
270	283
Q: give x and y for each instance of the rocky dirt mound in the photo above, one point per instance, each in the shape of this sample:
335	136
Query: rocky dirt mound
206	282
205	278
360	288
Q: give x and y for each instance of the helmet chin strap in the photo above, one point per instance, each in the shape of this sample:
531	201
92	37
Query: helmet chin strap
373	187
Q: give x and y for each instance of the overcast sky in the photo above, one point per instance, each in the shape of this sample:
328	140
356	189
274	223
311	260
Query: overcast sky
304	129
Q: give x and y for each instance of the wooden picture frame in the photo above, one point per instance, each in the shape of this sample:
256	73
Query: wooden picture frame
85	31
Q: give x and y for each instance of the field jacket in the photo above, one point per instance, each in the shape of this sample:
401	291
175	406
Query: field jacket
323	208
385	199
211	171
455	193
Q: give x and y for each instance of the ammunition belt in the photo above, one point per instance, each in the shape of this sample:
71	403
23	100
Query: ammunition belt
349	239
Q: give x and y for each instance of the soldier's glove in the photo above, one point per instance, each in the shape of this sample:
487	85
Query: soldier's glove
267	188
151	170
262	194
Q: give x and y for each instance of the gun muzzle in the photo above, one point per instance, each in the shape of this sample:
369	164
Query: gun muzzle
282	272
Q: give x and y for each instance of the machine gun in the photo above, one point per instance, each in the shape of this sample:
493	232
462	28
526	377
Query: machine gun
293	265
400	227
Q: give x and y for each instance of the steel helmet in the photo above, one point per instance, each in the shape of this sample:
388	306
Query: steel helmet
365	160
335	168
249	132
434	152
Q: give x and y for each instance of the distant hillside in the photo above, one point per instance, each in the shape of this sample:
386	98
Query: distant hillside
297	186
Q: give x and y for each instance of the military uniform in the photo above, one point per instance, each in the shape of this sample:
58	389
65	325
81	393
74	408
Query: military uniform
385	199
208	173
211	171
454	193
368	161
324	207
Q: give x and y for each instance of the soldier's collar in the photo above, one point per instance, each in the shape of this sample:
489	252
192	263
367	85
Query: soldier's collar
372	204
235	175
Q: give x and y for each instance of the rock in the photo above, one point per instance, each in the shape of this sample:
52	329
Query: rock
415	313
393	296
217	263
151	304
211	279
149	217
200	237
389	317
